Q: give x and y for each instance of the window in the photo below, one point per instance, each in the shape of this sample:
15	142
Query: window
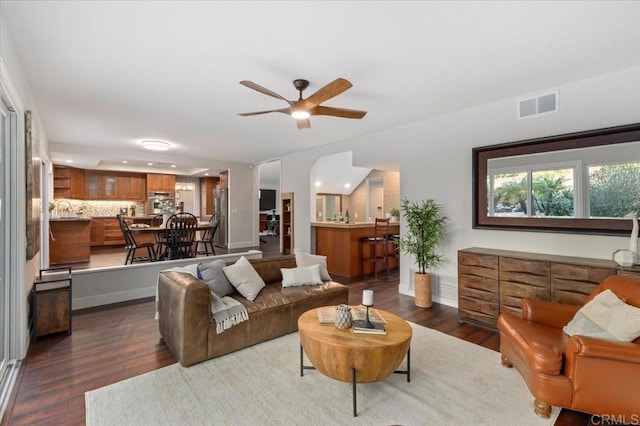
529	192
614	189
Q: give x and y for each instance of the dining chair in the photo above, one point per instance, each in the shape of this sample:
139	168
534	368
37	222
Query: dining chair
180	236
159	237
207	237
132	245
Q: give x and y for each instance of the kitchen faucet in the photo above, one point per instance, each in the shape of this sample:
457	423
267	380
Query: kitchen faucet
73	211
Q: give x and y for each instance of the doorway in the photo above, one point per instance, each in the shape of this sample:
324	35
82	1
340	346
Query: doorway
187	201
375	199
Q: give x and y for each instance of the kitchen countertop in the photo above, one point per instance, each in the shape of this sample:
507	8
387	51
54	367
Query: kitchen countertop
69	219
342	225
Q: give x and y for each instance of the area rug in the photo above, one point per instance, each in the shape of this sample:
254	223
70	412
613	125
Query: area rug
453	382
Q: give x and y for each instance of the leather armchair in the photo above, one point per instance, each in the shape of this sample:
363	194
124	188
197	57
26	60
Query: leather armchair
582	373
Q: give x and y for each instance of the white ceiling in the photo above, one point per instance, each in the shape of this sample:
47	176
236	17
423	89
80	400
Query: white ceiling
107	74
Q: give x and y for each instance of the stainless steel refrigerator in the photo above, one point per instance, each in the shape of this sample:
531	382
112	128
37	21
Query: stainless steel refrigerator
221	206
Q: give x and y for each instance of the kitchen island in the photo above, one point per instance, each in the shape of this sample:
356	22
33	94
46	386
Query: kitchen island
69	240
340	242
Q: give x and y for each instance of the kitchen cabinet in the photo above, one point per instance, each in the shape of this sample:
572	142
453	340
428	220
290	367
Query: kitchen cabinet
97	232
131	186
161	182
69	241
68	182
207	191
101	185
105	231
115	186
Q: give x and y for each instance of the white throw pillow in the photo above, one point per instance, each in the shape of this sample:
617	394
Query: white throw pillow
607	317
307	275
244	278
306	259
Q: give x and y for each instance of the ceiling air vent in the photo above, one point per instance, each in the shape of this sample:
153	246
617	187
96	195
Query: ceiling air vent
542	104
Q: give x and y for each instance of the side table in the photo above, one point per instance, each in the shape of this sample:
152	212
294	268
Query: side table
51	302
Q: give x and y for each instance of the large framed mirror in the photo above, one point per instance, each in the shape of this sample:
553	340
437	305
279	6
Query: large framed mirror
583	182
328	207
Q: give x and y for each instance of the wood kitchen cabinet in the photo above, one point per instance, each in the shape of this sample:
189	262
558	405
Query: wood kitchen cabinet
115	186
131	186
101	185
68	182
161	182
207	191
105	231
69	241
494	281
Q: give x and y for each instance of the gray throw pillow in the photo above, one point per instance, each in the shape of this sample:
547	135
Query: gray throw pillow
212	274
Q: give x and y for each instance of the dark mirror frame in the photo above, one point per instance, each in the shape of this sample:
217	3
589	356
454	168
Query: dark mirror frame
481	155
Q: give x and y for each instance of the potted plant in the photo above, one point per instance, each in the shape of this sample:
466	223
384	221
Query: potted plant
395	214
425	230
52	207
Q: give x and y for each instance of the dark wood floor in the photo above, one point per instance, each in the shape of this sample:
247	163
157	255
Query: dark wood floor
116	342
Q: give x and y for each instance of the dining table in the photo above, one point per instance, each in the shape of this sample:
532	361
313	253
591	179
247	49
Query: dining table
159	233
145	229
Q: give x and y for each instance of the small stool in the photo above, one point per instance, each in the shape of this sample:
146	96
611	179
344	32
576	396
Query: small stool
380	233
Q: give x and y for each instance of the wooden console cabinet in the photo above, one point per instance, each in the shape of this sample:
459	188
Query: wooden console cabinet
50	302
492	281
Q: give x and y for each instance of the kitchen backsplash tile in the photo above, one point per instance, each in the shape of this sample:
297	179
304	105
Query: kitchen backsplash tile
97	208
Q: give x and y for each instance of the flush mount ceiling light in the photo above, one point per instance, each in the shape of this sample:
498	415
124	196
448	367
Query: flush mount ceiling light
156	145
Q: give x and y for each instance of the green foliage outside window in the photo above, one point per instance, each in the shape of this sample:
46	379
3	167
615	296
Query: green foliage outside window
614	190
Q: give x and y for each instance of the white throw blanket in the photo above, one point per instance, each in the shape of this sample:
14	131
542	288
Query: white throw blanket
226	311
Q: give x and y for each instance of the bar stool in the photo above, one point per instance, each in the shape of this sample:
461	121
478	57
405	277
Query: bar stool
394	239
380	232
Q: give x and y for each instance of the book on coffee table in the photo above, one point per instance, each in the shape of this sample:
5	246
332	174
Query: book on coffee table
326	314
378	328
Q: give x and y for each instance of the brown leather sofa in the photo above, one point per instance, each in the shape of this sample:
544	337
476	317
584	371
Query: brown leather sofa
188	328
582	373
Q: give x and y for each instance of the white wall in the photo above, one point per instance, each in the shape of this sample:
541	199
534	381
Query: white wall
15	87
103	286
435	162
243	206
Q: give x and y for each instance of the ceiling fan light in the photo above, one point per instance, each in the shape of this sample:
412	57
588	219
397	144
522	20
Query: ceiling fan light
156	145
300	114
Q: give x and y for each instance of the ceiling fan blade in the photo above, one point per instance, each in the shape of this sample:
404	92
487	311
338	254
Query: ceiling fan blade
332	89
283	110
338	112
303	123
258	88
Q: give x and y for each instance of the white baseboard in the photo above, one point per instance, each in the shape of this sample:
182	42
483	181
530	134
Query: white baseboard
242	244
443	293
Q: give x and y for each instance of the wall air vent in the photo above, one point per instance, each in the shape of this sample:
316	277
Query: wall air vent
542	104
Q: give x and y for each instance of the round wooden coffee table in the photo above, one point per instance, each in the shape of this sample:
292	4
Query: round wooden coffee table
350	357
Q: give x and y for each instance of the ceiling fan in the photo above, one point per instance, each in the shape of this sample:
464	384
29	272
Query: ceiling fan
302	109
